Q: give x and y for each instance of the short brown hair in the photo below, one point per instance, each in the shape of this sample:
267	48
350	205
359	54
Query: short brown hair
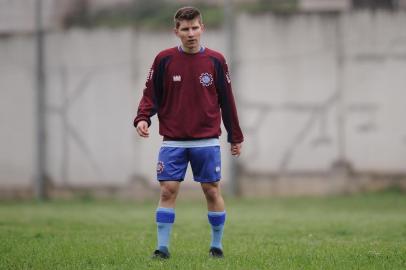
188	14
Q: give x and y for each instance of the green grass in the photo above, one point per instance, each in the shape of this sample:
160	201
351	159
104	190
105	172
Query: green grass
353	232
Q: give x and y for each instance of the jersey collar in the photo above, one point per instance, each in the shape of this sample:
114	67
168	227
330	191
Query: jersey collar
202	49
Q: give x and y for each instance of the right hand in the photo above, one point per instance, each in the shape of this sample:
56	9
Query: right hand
142	129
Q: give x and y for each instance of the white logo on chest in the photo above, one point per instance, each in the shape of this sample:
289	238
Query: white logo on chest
177	78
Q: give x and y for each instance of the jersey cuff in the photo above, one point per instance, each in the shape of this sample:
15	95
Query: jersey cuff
136	120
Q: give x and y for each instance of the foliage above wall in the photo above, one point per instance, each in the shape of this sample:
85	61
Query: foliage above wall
158	14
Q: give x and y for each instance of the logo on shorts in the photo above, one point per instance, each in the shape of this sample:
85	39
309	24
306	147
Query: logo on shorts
160	167
218	169
206	79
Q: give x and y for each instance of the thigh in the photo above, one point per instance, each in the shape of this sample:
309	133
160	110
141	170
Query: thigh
205	163
172	164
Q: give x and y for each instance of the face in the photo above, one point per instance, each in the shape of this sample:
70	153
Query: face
189	34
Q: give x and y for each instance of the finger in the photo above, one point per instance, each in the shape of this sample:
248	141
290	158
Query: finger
236	152
145	129
141	132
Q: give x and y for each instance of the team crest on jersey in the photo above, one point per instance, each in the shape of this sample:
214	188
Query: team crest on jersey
160	167
206	79
177	78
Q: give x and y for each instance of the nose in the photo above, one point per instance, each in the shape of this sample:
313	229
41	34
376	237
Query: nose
191	33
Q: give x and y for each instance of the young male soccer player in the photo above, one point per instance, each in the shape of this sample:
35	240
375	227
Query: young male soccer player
189	88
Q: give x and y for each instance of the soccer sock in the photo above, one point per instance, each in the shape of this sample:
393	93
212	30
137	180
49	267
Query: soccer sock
216	220
165	217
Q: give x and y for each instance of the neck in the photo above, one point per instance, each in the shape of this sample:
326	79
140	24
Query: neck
191	50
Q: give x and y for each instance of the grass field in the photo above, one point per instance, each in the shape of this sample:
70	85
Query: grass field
350	232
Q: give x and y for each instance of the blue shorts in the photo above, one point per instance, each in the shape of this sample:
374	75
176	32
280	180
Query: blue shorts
205	162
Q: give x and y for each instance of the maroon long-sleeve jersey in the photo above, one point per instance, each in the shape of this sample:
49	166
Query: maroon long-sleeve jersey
190	93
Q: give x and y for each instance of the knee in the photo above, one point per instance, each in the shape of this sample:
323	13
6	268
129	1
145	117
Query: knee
168	194
212	193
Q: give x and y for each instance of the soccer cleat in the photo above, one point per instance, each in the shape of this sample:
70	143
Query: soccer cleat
158	254
216	253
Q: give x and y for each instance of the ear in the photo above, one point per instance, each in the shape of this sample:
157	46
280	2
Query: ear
202	26
175	31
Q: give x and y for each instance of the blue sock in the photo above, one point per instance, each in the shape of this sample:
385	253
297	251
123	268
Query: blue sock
165	217
216	220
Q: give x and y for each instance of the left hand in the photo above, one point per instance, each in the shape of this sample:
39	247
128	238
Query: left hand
236	149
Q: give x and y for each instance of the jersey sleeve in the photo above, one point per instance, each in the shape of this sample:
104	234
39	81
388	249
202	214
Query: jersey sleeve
227	105
148	104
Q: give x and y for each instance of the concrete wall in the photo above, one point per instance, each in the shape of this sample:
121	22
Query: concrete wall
18	16
317	89
94	82
311	89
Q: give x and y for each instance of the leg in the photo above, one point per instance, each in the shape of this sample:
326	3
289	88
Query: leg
172	165
216	215
165	216
206	167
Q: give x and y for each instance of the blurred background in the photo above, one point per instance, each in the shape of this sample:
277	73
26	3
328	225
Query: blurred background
320	87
